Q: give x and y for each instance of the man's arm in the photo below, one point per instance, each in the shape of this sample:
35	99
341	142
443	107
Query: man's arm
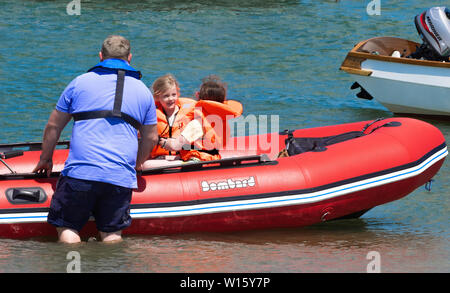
56	123
149	138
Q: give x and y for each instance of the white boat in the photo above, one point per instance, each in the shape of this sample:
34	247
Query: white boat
403	85
404	76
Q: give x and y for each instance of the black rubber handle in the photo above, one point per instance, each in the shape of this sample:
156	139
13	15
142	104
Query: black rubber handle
31	195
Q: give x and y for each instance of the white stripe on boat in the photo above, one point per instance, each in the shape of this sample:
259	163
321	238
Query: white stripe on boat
260	203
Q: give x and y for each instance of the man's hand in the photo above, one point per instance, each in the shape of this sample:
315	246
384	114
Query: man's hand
44	167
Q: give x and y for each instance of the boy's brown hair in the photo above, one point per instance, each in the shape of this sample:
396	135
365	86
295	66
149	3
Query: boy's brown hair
213	89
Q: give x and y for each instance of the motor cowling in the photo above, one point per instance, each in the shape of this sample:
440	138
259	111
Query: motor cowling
433	26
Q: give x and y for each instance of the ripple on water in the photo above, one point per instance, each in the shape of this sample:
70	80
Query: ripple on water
278	57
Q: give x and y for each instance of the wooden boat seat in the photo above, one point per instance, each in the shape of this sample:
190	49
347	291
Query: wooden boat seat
385	46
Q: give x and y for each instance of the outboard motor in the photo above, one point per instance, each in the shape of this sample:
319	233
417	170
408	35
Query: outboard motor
433	26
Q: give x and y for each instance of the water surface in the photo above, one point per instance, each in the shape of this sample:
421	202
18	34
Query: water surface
278	58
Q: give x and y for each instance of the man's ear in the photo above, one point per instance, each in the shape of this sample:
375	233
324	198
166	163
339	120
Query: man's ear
100	55
129	58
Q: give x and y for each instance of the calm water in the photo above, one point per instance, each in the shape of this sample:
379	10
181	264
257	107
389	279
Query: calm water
278	57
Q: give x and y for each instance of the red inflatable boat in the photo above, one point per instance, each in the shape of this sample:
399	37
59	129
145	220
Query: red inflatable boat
332	172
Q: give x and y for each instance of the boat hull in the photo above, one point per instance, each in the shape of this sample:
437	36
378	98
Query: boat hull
402	85
348	178
407	89
296	215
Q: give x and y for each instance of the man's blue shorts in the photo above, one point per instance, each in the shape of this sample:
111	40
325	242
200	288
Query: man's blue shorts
75	200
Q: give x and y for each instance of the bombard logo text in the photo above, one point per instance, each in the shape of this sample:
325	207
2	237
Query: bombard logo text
228	184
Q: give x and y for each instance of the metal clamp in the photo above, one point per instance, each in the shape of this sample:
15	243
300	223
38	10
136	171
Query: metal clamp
428	185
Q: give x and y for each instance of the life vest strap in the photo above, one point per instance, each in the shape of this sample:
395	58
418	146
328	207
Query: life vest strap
116	112
106	114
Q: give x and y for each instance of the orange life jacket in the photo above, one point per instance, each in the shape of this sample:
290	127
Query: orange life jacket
185	106
213	116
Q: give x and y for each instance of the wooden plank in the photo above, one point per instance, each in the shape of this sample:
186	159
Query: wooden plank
356	71
352	65
400	60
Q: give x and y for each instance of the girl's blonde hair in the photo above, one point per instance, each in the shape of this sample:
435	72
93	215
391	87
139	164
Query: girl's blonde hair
163	83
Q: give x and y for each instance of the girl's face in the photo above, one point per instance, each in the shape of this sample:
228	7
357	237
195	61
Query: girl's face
168	99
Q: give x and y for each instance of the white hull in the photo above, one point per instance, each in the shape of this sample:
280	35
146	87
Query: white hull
403	85
407	88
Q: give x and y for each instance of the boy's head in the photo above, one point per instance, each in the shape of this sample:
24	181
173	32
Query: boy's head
213	89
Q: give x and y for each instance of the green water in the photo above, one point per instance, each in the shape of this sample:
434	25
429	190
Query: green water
278	58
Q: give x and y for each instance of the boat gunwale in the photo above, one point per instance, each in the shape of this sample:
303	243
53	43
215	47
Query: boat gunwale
354	53
441	148
232	162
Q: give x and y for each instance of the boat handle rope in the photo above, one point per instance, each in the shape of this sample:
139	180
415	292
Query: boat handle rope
371	123
388	124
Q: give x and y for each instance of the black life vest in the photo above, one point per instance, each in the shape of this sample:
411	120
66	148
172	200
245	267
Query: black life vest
116	111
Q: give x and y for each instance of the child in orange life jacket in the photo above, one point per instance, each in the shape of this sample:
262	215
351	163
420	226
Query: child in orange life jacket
208	122
171	111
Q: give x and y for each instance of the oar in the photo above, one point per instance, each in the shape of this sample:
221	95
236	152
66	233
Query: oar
7	166
10	154
16	175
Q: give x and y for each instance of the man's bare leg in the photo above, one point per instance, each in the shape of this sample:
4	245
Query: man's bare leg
111	237
67	235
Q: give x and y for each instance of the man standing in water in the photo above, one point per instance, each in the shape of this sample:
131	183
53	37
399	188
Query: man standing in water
109	105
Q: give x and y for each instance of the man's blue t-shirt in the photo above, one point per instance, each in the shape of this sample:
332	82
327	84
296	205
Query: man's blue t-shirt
105	149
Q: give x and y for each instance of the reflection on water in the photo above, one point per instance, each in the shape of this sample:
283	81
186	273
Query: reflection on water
339	246
278	57
164	5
